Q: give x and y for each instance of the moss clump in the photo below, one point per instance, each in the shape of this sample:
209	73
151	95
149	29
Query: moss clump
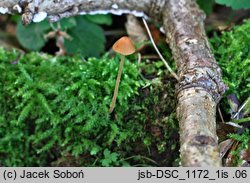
232	51
54	111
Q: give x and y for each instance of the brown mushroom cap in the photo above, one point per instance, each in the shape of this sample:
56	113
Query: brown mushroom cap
124	46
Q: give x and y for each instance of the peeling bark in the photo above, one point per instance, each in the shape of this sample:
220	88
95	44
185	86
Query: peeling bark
200	87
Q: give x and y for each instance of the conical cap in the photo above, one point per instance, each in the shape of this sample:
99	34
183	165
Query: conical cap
124	46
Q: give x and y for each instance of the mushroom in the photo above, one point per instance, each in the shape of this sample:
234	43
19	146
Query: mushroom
123	46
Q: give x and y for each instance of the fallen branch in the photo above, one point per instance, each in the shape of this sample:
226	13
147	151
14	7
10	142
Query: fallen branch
37	10
200	87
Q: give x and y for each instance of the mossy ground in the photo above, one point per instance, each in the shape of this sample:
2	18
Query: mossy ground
54	112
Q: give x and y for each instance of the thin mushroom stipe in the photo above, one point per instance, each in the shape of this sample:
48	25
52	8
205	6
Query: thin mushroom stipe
123	46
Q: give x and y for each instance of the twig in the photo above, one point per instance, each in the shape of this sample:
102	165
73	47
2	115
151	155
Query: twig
220	113
240	109
139	58
158	52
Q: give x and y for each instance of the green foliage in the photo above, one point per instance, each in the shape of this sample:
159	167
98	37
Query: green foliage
88	37
31	37
231	50
100	19
244	142
156	109
54	105
235	4
206	6
55	112
66	23
109	158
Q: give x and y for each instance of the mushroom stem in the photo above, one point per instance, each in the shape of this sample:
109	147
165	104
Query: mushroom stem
112	105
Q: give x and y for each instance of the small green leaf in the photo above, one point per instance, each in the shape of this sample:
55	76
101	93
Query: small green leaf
106	152
94	151
235	4
113	157
67	23
100	19
106	162
146	141
31	36
88	38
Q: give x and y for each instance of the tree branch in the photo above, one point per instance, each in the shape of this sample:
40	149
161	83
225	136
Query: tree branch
57	9
200	87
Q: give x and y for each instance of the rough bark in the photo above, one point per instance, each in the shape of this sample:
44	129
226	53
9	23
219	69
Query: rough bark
58	9
200	86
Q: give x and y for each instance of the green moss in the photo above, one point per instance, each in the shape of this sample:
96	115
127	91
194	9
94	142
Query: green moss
232	51
54	111
244	142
